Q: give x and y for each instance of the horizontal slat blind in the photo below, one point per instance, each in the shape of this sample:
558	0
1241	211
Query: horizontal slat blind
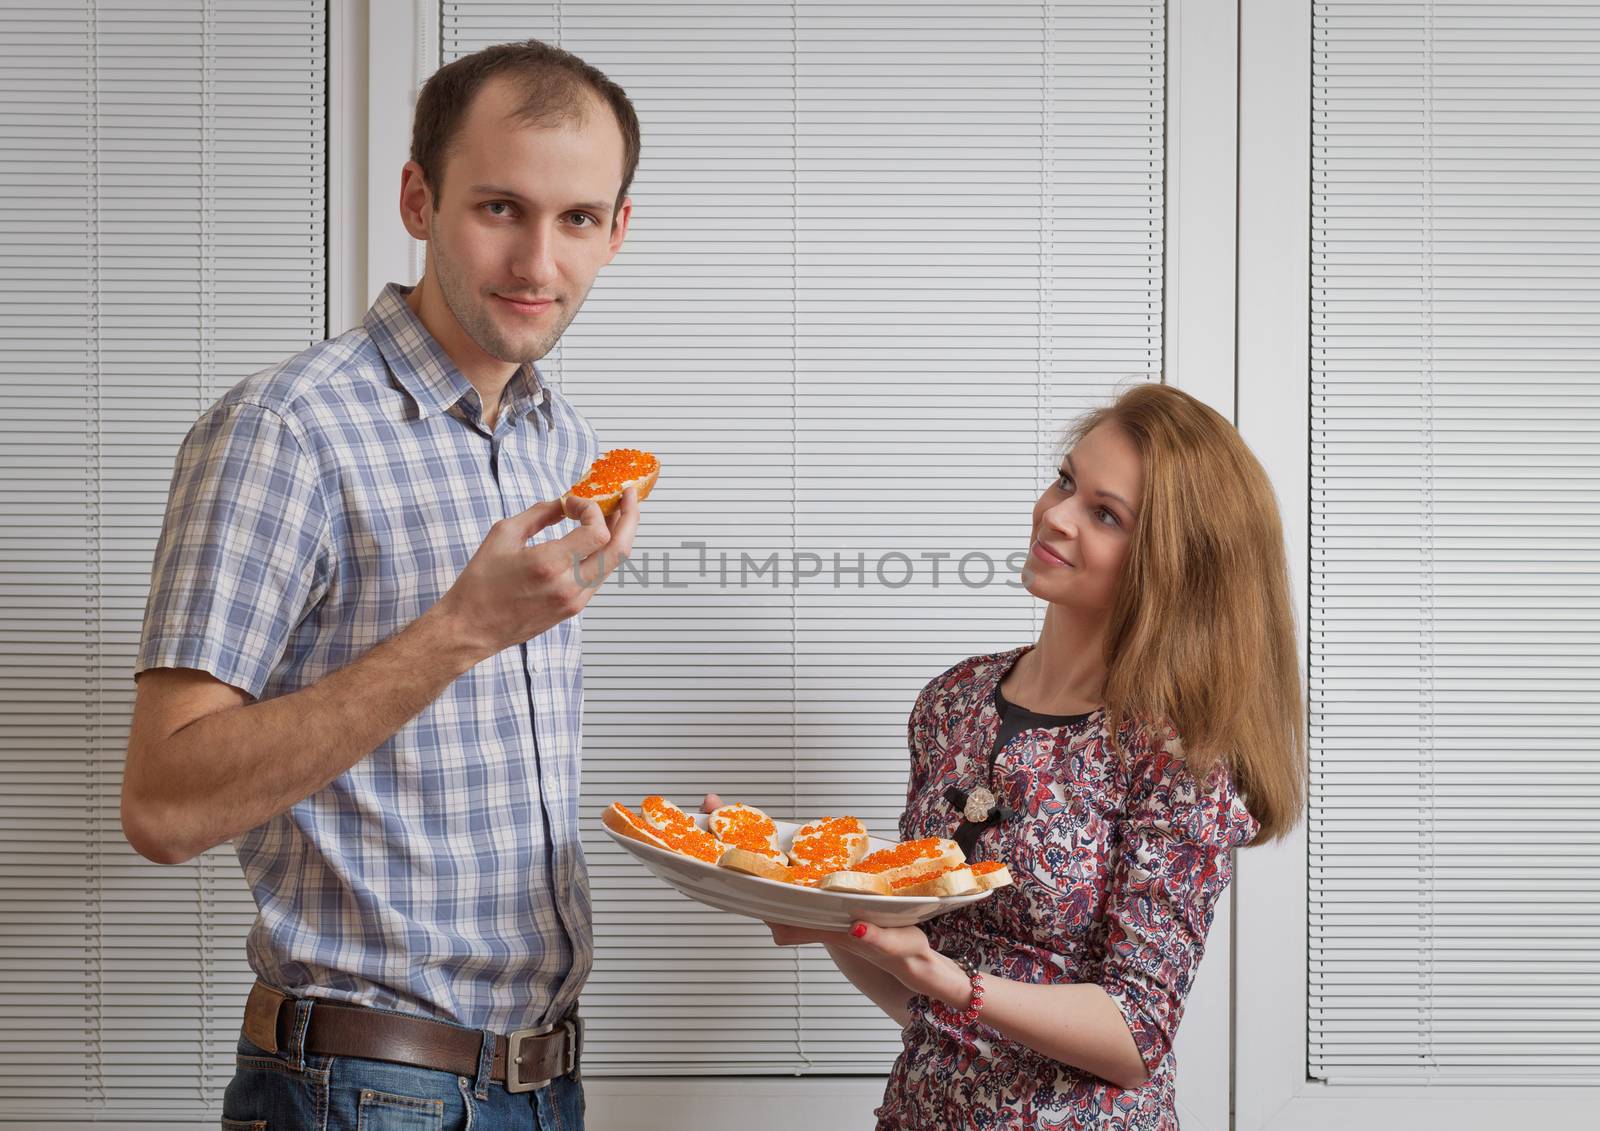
163	237
1455	817
881	253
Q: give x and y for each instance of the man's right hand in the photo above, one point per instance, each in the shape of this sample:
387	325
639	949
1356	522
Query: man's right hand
180	796
510	591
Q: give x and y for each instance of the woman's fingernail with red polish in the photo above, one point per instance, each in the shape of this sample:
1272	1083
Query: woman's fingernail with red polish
859	930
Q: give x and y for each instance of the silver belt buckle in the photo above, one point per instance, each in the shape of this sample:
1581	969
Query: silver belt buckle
514	1081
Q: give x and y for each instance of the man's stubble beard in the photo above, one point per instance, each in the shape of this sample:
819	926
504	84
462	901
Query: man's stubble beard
470	310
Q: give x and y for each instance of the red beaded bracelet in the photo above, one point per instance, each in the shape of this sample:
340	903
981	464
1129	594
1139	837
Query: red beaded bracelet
969	1015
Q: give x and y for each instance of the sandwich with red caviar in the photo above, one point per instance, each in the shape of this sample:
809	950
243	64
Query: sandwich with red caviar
613	473
625	822
661	824
880	872
991	874
937	881
825	846
752	840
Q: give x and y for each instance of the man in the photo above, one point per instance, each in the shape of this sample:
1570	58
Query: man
356	667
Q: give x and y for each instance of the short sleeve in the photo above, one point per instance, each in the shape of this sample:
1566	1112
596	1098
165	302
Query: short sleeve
244	550
1171	867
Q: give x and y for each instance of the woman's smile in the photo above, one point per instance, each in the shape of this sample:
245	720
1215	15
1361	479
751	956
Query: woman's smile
1048	556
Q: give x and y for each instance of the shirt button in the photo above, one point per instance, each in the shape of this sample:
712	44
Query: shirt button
538	663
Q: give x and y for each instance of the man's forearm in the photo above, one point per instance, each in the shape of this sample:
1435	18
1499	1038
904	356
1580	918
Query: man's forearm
237	768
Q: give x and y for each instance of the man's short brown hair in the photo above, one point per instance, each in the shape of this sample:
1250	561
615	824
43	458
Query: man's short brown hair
554	86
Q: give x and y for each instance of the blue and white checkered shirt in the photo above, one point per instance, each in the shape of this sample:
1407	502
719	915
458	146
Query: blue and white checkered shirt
316	510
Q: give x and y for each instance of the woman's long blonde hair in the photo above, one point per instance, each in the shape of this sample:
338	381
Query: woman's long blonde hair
1201	632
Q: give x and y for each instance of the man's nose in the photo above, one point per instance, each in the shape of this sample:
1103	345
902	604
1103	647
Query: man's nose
535	261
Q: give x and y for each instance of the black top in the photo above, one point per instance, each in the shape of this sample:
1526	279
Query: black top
1014	720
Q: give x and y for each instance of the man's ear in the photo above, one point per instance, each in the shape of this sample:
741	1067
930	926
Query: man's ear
619	227
416	202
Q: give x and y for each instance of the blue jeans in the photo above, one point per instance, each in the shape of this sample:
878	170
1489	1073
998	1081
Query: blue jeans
292	1090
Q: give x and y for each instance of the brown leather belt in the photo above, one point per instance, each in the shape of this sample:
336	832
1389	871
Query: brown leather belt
537	1055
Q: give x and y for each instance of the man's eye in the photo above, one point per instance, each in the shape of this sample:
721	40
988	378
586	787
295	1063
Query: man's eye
582	219
498	208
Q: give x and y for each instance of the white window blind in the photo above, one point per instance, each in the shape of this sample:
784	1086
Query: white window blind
162	209
881	253
1455	806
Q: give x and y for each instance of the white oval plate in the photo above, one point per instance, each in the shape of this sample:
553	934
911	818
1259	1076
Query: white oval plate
775	902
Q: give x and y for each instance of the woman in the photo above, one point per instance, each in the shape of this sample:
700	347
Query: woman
1054	1003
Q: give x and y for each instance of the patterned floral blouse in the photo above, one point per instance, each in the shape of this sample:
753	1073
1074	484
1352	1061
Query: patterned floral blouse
1117	863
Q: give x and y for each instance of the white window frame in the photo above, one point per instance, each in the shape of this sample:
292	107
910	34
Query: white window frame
1273	1092
402	48
1198	357
348	47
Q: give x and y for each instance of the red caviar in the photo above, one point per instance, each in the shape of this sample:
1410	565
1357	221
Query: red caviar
681	833
615	470
657	808
694	842
984	867
902	854
829	842
750	830
638	822
921	877
825	849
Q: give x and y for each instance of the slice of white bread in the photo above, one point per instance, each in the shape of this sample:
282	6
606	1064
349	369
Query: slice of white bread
952	881
624	821
747	827
831	844
752	863
913	857
992	874
855	883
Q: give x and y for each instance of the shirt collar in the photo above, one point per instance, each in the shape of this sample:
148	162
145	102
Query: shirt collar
525	392
425	371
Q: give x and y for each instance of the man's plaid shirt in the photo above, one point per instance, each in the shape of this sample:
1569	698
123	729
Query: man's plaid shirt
316	510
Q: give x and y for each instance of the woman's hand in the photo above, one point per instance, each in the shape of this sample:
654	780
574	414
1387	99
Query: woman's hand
901	951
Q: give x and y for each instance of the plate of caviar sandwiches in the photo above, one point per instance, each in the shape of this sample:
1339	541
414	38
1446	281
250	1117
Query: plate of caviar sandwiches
827	873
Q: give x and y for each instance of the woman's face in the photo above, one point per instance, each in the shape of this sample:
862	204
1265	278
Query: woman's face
1083	523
